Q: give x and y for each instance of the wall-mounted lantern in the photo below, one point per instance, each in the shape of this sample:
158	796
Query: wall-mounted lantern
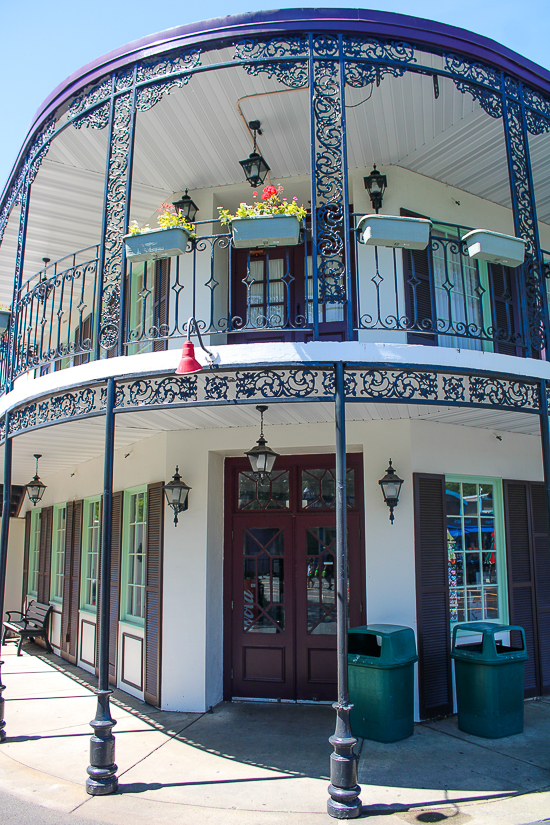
391	487
177	495
35	488
255	167
376	184
262	458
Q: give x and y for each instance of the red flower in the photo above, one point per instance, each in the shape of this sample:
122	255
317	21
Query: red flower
269	192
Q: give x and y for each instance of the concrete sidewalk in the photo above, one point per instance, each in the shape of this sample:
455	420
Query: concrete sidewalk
254	763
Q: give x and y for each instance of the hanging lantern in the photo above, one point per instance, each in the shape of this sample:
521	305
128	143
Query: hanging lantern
187	207
262	458
255	167
391	487
177	495
35	488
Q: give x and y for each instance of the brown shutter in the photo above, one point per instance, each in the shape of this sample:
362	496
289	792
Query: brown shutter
153	592
45	556
505	308
114	596
418	285
160	304
71	581
26	558
539	509
521	574
432	596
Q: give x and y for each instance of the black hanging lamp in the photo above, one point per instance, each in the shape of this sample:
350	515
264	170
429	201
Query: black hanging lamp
35	488
262	458
255	167
187	207
376	184
391	487
177	495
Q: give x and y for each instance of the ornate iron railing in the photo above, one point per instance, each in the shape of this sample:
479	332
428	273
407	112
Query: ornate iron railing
439	297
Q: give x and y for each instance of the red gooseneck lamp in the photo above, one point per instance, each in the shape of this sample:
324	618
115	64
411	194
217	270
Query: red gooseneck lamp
188	362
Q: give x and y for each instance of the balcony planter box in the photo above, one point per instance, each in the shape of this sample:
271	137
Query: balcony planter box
495	248
156	243
5	315
394	230
265	230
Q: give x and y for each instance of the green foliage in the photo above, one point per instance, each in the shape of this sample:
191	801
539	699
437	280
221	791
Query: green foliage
167	220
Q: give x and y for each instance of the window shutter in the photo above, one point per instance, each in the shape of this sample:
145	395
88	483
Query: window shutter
504	302
160	305
71	581
153	591
521	576
539	507
45	555
26	558
418	284
432	596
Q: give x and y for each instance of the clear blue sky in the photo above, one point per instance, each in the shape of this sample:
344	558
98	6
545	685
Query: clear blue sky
44	41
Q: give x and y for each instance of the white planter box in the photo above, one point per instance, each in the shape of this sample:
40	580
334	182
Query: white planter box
265	230
394	230
5	316
495	248
156	243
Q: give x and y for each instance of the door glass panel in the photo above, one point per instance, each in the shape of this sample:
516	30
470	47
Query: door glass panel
268	494
319	489
263	550
321	600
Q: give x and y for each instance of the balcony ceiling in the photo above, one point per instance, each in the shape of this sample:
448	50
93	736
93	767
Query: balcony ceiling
66	446
195	136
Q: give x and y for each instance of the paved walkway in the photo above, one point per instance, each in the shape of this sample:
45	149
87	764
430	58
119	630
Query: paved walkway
253	763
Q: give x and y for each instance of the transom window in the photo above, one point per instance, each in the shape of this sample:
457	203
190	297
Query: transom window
319	489
90	552
34	553
58	552
268	494
475	550
134	543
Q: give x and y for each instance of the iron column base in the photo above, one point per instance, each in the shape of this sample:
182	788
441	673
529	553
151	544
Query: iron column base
344	802
2	722
102	770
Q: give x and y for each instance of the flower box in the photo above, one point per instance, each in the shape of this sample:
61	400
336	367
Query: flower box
156	243
265	230
495	247
394	230
5	315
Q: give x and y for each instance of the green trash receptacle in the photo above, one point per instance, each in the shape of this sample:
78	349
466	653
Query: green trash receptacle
381	661
489	678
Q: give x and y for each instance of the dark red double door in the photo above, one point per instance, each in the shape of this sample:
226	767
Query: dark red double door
281	634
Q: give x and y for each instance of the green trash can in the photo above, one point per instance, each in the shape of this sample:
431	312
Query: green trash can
381	661
489	678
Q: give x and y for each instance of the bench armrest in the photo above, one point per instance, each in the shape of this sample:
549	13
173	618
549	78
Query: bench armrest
10	612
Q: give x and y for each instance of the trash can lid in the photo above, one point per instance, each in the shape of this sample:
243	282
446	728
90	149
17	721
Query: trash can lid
489	650
382	645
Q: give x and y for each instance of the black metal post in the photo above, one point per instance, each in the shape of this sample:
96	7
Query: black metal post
344	802
545	440
4	534
102	770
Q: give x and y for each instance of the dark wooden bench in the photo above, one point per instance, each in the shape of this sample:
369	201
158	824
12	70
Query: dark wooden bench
33	623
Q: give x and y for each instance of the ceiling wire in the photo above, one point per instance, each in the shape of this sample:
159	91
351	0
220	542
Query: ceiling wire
355	105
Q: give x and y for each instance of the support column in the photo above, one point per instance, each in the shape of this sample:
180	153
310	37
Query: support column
4	534
102	770
344	802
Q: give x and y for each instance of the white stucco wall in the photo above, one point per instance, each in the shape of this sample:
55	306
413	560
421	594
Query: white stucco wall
14	570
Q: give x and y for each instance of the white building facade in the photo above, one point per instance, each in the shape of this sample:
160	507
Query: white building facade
443	355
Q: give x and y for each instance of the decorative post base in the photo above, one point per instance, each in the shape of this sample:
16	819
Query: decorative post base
2	721
102	769
344	802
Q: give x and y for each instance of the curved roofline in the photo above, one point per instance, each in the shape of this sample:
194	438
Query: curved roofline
421	31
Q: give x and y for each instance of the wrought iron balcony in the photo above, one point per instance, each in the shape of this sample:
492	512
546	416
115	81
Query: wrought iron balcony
437	297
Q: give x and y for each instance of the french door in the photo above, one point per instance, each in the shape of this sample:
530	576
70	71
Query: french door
282	613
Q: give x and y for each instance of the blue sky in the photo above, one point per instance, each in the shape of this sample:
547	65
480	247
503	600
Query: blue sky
44	41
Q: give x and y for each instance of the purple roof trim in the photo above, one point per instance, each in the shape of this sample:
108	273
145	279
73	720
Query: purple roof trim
438	36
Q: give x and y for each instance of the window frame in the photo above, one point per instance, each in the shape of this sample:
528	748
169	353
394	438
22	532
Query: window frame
86	544
124	615
500	546
57	554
